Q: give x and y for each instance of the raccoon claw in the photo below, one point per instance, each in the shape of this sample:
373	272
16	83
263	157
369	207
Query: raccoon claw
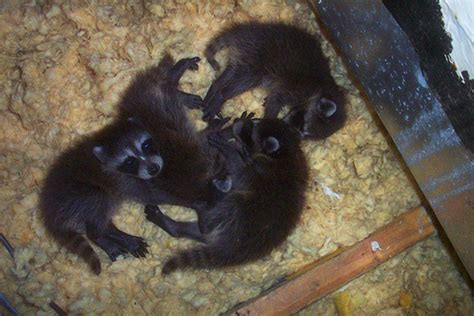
136	246
123	243
140	250
246	116
245	120
193	63
218	122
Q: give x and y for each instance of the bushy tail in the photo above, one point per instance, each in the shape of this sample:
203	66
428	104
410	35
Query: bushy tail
79	245
219	42
197	258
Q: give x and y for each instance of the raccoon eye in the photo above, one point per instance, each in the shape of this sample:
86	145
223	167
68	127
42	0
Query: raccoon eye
129	165
129	161
147	146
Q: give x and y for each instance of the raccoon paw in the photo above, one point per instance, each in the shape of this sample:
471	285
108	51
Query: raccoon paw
115	252
218	122
246	116
120	243
192	63
216	140
191	101
137	247
154	215
210	112
212	106
194	102
111	248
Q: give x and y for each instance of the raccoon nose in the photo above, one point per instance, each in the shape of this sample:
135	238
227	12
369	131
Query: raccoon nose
153	169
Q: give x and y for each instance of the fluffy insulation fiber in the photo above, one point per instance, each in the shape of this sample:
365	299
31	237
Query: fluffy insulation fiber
63	66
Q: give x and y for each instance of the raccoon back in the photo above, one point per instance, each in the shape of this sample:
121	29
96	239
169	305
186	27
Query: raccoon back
248	224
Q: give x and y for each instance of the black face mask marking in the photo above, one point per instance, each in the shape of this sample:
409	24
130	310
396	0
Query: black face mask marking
134	154
147	147
129	165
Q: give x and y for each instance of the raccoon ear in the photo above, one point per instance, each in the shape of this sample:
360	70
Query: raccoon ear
134	120
327	107
270	145
223	185
99	153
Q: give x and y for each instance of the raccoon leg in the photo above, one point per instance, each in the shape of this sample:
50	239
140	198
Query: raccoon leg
192	101
133	244
112	249
232	82
273	104
176	229
234	157
214	100
223	184
216	125
243	127
177	71
96	235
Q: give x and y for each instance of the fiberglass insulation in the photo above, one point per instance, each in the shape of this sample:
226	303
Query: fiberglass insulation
63	67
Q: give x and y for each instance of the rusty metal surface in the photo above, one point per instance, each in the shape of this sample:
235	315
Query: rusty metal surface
381	57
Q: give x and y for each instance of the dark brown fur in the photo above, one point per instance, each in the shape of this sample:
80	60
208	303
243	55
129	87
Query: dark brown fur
79	196
156	103
259	212
289	63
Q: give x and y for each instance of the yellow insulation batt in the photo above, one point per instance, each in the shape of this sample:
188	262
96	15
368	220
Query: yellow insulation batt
63	67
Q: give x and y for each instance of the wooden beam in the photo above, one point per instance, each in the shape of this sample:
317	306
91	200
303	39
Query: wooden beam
333	271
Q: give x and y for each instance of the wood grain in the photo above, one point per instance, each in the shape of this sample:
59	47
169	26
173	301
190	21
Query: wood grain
333	271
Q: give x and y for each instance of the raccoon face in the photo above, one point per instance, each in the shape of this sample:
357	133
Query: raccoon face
273	137
134	154
323	116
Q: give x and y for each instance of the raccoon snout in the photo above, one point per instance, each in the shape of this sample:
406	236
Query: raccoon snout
153	169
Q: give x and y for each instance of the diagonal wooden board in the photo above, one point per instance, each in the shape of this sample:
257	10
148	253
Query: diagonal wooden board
333	271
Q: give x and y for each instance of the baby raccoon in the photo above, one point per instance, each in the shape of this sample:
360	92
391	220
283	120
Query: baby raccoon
126	160
154	101
133	154
289	64
88	182
269	175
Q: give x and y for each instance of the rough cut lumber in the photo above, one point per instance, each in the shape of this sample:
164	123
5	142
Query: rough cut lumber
333	271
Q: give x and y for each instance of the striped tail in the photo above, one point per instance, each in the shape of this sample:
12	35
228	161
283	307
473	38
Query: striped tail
79	245
197	258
